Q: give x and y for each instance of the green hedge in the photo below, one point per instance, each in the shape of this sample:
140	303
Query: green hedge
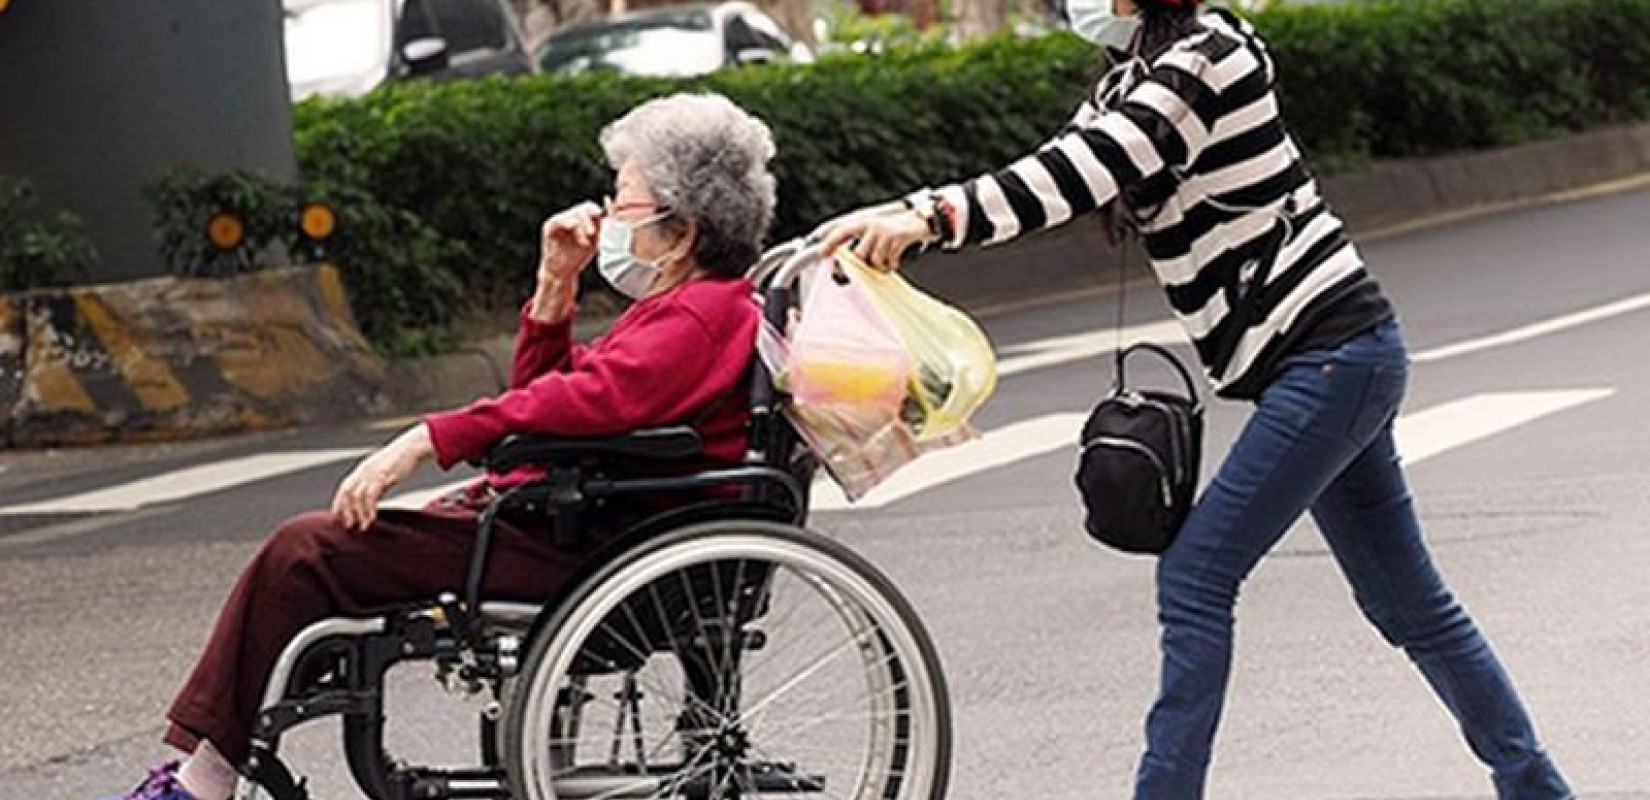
486	161
401	272
482	163
38	248
1406	78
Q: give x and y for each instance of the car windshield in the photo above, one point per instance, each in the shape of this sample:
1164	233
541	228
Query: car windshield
331	39
660	47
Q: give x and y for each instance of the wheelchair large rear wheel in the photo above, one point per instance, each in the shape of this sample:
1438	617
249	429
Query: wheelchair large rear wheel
731	659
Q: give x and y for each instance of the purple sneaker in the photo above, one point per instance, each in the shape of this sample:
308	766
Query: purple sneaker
162	784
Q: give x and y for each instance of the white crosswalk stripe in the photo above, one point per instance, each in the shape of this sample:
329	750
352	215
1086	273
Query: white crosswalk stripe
185	483
1543	328
1425	434
1057	350
1421	435
994	449
419	498
1061	349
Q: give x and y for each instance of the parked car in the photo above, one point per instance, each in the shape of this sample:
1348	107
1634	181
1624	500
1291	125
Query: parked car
676	41
348	47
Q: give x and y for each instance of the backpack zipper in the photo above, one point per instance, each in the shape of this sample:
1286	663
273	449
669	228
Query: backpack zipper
1177	437
1130	444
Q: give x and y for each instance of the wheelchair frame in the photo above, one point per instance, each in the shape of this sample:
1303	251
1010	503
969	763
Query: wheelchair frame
476	646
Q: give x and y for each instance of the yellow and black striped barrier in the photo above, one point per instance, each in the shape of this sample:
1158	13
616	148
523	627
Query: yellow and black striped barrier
172	358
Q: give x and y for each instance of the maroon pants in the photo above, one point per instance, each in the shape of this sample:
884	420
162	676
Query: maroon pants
311	569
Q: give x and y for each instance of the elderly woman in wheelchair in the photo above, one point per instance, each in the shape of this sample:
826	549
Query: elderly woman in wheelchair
629	587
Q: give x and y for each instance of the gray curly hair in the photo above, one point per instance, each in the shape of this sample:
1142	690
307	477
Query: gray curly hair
706	160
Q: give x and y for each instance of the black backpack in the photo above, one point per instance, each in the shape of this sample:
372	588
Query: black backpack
1138	468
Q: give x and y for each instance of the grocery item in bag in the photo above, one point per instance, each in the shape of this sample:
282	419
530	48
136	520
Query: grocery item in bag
953	368
878	372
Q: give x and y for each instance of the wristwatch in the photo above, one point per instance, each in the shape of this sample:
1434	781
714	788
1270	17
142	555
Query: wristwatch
935	211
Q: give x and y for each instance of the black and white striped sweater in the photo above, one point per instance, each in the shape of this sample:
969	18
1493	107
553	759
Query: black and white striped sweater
1195	136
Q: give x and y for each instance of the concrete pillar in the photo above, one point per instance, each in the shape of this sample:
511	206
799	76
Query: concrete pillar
97	96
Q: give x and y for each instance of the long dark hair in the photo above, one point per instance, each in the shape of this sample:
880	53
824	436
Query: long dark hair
1163	24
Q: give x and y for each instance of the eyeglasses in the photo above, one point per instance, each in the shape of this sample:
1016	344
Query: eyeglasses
614	209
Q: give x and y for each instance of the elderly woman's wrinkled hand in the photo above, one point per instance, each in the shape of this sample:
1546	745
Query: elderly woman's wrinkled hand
569	242
356	502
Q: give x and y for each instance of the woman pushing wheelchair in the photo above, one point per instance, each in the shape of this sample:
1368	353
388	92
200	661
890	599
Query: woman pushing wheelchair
692	202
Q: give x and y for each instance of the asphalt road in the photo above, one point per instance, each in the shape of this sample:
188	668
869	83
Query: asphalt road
1049	641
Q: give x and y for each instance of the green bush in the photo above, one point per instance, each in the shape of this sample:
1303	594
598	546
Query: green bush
186	201
403	289
1404	78
401	273
483	163
38	249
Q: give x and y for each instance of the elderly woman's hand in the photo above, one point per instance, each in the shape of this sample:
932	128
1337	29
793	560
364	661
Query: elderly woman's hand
356	502
883	232
569	242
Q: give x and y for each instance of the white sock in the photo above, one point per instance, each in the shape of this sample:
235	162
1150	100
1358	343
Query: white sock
206	775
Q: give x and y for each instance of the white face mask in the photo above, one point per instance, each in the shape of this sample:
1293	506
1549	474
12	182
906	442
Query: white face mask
629	275
1093	20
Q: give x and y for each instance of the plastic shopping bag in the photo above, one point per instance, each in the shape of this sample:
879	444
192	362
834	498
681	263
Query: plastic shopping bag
846	352
878	372
955	370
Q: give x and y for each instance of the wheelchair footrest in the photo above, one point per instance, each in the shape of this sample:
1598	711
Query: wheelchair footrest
461	784
761	778
276	719
782	779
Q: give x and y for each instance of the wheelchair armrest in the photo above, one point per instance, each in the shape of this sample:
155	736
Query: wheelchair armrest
659	444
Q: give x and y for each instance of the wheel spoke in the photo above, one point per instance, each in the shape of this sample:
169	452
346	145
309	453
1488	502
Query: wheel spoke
814	722
803	674
714	709
688	771
680	699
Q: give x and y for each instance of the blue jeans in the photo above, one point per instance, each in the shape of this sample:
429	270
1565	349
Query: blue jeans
1321	439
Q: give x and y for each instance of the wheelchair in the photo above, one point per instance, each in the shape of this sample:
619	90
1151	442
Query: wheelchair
716	650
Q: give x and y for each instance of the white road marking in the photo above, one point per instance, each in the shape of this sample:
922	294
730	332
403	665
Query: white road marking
1527	332
79	527
1421	435
997	448
394	423
1060	349
185	483
1001	447
418	499
1427	433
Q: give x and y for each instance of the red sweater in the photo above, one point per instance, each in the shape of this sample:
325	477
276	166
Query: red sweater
668	359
